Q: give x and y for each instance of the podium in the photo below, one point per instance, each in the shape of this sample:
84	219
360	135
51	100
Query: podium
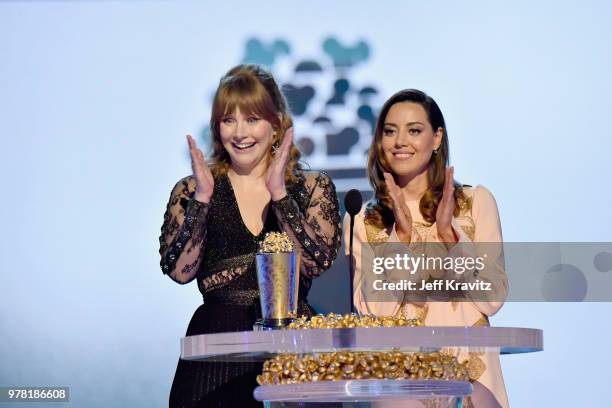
262	345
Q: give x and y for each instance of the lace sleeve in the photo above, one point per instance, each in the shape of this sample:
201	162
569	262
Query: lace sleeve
183	233
317	232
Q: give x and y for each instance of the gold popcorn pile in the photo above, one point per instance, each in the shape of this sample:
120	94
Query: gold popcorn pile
338	321
276	242
346	365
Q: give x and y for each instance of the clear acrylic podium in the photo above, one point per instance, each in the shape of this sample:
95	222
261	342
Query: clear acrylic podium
262	345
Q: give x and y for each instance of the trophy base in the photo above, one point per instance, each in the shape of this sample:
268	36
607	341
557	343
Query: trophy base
272	324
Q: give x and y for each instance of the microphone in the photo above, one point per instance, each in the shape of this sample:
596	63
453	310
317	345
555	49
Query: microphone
352	203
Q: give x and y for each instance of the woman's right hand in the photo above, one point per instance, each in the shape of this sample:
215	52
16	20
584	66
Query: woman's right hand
401	212
201	173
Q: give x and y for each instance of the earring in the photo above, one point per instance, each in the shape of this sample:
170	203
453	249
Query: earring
436	151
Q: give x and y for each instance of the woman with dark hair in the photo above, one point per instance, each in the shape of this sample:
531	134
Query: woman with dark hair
215	218
419	205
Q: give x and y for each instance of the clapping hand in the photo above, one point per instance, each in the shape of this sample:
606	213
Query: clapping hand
201	173
401	212
446	208
275	176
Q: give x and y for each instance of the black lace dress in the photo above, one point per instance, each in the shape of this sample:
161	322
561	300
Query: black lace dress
211	243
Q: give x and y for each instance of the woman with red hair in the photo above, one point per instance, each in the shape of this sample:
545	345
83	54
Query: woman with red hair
254	184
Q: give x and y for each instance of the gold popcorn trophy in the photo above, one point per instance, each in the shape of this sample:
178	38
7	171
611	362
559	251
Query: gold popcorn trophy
278	268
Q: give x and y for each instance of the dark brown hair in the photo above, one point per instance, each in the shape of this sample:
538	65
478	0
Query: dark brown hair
380	212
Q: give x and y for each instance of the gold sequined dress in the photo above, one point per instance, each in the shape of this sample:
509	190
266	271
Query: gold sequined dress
210	243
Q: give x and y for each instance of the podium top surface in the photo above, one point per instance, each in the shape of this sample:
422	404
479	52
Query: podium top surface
261	345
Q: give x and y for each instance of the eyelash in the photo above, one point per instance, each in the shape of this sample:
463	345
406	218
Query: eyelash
252	119
389	132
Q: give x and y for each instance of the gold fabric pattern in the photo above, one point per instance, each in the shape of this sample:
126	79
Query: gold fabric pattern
482	322
375	234
475	365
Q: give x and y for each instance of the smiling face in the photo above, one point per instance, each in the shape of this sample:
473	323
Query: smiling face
408	140
247	138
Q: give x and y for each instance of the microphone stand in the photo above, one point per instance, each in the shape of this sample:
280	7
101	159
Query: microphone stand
352	203
351	263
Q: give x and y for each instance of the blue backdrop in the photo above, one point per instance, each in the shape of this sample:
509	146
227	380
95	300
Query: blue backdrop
96	98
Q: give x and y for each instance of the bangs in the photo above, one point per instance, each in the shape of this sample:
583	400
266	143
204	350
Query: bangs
246	94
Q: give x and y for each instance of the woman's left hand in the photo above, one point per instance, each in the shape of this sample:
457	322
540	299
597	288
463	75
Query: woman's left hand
275	176
446	208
